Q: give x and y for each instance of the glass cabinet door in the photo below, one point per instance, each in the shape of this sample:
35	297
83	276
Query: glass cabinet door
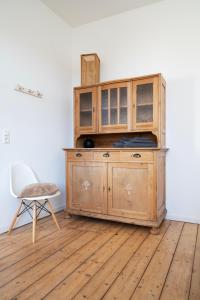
86	110
145	103
114	107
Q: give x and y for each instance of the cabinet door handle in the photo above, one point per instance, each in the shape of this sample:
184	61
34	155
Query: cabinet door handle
109	189
106	155
136	155
78	154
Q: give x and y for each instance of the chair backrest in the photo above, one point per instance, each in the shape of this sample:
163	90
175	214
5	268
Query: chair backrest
20	176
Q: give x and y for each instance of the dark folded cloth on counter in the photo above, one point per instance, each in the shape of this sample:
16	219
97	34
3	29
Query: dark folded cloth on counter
135	143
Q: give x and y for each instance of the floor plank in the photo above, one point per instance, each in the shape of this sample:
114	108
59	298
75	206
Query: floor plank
152	281
102	280
40	278
83	274
28	249
15	241
96	259
130	276
177	285
195	283
38	256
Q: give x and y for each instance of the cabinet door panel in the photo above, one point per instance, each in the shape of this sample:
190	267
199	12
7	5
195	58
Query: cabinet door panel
88	186
114	107
85	110
130	190
145	104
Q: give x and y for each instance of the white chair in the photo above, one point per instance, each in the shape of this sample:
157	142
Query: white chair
22	175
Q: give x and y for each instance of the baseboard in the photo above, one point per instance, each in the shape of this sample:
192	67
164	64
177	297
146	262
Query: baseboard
4	229
183	219
169	217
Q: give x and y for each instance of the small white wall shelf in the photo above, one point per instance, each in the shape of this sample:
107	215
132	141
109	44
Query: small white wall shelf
30	92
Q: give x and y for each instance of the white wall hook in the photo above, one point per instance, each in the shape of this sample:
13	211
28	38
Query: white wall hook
30	92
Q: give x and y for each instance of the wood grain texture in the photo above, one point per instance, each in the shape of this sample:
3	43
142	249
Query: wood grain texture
177	285
153	280
98	259
195	283
122	185
129	278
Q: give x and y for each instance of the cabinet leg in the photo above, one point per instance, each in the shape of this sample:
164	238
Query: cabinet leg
67	215
155	230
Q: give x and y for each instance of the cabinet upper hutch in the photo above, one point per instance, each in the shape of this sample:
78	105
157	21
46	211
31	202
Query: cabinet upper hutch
125	184
131	105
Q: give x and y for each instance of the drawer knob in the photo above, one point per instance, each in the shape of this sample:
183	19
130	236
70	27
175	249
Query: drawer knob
106	154
136	155
78	154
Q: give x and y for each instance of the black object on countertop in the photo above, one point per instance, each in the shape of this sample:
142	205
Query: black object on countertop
135	142
88	143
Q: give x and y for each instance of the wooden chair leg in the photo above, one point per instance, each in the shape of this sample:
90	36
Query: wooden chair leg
53	215
34	222
15	218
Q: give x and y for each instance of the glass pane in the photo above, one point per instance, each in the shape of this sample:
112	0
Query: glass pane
123	115
113	98
104	99
123	96
86	118
86	101
144	103
104	117
113	116
145	94
104	107
86	109
145	113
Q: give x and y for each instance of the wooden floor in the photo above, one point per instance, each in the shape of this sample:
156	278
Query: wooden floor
93	259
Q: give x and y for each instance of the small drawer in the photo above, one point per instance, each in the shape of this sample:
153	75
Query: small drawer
79	155
107	156
136	156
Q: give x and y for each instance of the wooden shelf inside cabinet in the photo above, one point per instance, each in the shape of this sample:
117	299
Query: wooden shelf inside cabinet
85	110
144	104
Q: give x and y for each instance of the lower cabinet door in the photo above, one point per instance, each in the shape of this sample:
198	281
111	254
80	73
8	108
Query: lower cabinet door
87	186
130	190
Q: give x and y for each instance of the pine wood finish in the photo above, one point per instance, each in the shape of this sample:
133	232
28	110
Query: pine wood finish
129	194
127	104
120	184
92	259
85	106
117	184
34	218
90	69
88	193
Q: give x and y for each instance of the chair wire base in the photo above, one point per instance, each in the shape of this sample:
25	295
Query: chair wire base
29	207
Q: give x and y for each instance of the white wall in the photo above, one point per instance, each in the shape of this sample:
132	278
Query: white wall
163	37
35	51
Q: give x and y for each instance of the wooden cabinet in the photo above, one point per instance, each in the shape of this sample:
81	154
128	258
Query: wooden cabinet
119	185
87	188
112	181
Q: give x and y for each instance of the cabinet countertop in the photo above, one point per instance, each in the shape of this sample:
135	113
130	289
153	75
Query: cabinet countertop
116	149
